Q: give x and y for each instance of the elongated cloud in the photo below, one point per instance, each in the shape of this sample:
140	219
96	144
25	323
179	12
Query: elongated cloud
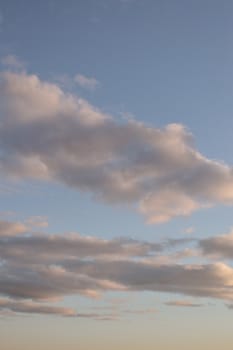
49	135
43	267
12	307
221	246
182	303
30	307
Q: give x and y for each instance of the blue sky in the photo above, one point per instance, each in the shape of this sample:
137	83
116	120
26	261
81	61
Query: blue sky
116	178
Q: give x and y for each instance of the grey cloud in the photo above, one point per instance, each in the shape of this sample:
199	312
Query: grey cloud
98	316
221	245
29	307
49	282
13	307
51	248
173	242
229	306
45	267
207	280
93	277
49	135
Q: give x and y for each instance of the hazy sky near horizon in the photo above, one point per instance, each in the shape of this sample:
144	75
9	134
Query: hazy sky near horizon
116	177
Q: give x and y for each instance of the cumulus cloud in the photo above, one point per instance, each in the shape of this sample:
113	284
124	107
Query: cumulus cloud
49	135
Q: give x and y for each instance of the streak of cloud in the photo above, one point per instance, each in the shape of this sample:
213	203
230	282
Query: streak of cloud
44	267
183	303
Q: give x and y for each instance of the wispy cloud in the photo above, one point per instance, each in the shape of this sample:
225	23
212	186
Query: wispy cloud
49	135
86	82
29	307
13	62
183	303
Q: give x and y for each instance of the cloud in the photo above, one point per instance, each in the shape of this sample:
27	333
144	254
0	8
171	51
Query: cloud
98	316
37	222
30	307
12	62
140	311
221	246
183	303
35	248
13	307
229	306
86	82
202	280
49	135
8	228
44	267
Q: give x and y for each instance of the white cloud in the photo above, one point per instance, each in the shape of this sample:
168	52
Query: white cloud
49	135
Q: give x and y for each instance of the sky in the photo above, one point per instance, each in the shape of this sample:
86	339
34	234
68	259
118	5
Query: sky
116	177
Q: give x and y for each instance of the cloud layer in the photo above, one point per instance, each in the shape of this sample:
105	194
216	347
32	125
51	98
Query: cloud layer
49	135
39	268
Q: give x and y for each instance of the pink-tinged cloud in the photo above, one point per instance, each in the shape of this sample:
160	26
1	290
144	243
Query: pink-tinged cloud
44	267
50	135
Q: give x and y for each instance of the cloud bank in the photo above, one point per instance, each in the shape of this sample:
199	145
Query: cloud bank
46	134
39	268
